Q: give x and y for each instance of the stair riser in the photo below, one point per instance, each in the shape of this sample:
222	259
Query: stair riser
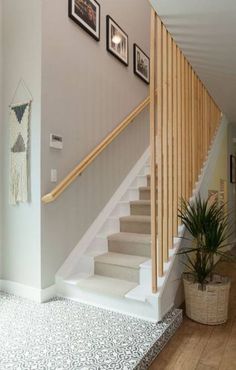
117	272
131	248
135	227
141	210
149	180
144	194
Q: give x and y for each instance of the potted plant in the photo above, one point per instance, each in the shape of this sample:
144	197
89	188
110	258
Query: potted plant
206	292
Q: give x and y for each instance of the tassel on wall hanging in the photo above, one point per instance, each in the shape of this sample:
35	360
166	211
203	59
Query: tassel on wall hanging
19	151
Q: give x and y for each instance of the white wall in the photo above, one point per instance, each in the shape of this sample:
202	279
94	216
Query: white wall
22	59
86	92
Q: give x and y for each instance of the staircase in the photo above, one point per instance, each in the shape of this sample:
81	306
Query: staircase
129	248
118	265
112	266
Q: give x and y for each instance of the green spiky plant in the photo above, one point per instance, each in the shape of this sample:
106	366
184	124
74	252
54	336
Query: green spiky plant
207	223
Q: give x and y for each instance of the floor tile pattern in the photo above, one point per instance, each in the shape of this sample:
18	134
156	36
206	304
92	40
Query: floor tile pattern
66	335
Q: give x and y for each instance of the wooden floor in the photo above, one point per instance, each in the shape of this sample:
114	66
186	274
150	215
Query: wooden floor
202	347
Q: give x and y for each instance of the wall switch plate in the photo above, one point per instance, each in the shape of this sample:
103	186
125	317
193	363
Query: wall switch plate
53	175
56	141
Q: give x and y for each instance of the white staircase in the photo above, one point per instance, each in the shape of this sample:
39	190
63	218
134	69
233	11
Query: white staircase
112	268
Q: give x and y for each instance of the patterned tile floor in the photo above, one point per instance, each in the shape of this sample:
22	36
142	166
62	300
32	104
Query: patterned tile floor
63	334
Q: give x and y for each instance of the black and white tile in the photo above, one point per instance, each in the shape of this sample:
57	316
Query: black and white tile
63	334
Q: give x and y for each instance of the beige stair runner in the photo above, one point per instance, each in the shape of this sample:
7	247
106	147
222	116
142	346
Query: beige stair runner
131	247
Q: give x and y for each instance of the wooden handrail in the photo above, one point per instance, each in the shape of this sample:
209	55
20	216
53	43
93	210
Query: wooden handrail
71	177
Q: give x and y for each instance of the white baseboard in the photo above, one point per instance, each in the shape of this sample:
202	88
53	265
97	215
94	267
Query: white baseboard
48	293
28	292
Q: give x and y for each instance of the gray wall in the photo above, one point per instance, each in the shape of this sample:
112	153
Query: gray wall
86	92
22	59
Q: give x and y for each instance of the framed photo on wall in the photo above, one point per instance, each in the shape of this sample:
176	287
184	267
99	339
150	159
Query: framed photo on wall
86	13
141	64
117	41
233	169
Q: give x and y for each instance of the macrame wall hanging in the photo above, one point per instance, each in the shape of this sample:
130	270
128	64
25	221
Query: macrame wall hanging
19	149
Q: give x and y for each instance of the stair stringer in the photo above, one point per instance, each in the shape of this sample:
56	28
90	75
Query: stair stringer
171	292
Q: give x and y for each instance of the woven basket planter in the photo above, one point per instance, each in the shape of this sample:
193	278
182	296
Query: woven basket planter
207	305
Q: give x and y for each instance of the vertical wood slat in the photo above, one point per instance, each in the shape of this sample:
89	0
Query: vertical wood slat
170	143
179	112
165	145
159	59
193	129
153	153
199	126
190	132
183	148
186	87
175	141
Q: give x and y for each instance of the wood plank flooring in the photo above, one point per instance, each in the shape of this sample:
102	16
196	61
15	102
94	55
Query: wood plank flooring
201	347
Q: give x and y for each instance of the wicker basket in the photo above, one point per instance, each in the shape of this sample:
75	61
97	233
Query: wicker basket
207	305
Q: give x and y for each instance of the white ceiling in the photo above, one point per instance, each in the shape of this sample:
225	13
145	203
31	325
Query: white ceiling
206	32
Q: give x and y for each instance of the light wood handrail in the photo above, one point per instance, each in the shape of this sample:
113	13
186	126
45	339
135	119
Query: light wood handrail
72	176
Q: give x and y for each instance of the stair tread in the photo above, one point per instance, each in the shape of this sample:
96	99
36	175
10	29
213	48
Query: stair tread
144	188
140	202
120	259
131	237
149	176
136	218
106	285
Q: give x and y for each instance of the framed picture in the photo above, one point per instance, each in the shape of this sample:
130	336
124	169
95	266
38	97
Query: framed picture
233	169
141	64
86	13
117	41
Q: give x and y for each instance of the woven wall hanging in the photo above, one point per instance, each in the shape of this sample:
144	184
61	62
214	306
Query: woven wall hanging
19	151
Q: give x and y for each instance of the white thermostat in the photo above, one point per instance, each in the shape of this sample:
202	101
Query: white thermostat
56	141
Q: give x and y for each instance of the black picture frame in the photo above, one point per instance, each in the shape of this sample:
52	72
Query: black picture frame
146	59
83	22
111	45
232	169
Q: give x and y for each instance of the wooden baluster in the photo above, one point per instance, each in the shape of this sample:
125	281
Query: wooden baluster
153	151
190	133
193	128
201	124
170	141
160	146
180	115
199	127
183	148
175	142
165	148
187	128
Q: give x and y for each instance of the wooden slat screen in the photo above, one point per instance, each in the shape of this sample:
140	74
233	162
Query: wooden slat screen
186	118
